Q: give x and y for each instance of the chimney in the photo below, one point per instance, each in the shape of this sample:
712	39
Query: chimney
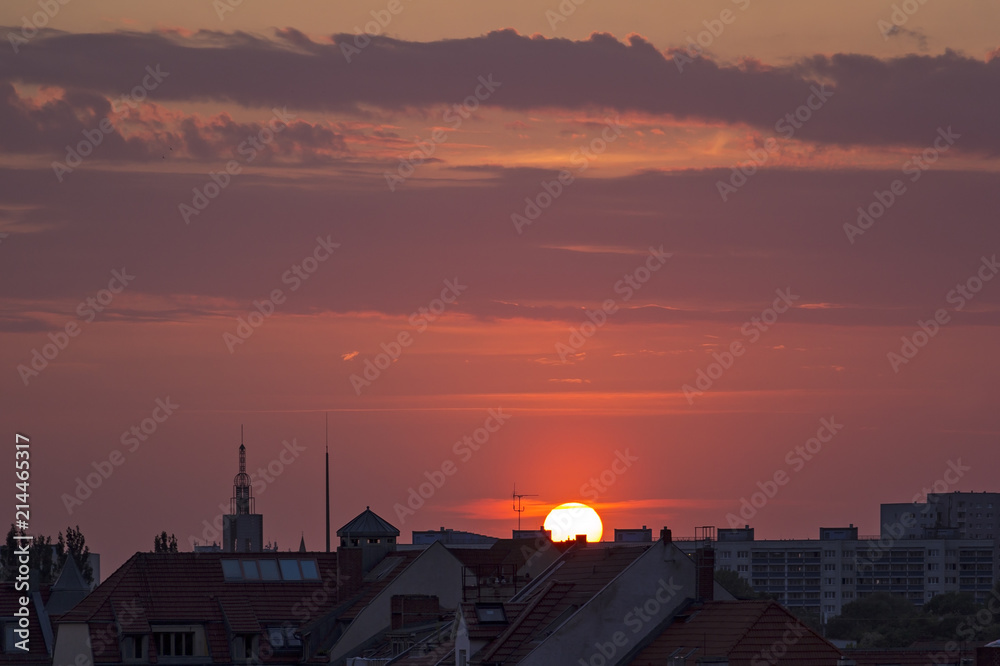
666	535
704	560
581	540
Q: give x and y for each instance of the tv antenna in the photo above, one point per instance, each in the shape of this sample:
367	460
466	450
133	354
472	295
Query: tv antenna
519	507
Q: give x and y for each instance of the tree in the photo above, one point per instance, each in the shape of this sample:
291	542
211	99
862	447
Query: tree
75	545
164	544
737	586
39	557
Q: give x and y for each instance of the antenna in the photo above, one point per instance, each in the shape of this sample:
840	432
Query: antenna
519	507
326	416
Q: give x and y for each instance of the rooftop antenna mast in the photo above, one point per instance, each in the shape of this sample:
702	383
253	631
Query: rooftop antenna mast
326	416
519	507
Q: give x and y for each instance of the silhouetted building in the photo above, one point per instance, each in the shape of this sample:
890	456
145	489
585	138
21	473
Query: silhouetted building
242	529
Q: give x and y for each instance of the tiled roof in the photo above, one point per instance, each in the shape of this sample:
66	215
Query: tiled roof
368	523
742	631
172	588
570	582
239	615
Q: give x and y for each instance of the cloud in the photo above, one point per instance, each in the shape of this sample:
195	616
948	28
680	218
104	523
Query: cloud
878	102
67	118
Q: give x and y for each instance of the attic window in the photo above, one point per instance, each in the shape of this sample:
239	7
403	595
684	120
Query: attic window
491	614
269	570
231	569
290	570
309	570
250	571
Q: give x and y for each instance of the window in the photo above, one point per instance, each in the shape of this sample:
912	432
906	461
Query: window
174	643
742	567
829	553
250	571
463	658
283	638
829	567
289	570
829	595
725	554
231	569
9	639
743	553
245	646
933	566
133	648
933	580
491	614
309	570
933	552
269	570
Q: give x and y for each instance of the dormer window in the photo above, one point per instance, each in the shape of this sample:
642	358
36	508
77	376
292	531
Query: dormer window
245	646
134	647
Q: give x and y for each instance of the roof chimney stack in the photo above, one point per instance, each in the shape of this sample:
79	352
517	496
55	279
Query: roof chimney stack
666	535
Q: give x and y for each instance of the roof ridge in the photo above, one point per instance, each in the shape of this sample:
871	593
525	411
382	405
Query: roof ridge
110	590
525	612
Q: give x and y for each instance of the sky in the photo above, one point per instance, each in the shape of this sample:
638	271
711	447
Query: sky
691	263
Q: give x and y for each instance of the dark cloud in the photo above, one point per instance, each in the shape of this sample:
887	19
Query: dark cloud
896	101
141	134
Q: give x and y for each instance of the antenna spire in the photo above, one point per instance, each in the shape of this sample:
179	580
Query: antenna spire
518	505
326	417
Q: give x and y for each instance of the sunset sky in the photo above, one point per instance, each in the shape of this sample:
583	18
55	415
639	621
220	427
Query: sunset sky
664	242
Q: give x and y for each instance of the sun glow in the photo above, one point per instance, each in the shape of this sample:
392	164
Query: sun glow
573	518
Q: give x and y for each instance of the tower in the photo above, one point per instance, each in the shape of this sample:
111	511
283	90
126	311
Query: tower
242	529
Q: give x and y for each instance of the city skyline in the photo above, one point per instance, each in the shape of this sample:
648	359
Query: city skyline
690	264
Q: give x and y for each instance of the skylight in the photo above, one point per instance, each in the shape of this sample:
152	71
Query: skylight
256	570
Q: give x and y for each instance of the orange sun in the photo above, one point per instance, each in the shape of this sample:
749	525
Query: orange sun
572	518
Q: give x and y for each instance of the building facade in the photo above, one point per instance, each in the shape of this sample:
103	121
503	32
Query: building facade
822	575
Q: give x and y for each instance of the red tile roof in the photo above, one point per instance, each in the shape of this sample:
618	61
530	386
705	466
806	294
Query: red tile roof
745	632
172	588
